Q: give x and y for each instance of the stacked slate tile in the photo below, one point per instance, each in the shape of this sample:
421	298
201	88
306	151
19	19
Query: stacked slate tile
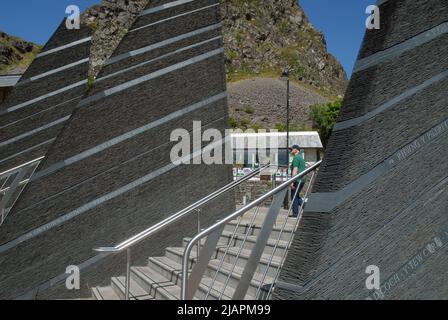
108	175
42	101
381	195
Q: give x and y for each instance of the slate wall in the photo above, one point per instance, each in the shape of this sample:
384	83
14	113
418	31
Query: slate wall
3	93
381	195
108	175
40	104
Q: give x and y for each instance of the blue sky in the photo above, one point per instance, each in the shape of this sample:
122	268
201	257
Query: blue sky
343	24
36	20
341	21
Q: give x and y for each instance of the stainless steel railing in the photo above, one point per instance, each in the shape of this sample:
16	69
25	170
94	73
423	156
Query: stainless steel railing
289	242
12	183
191	281
264	281
195	207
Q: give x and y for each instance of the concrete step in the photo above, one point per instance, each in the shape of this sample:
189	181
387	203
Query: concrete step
249	243
176	253
224	271
104	293
161	278
173	271
244	226
136	292
154	282
262	212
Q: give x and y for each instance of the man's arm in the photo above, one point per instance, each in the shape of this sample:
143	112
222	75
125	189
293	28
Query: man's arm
295	172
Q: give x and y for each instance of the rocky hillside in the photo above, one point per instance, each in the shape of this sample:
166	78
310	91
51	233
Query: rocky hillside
15	54
260	103
264	37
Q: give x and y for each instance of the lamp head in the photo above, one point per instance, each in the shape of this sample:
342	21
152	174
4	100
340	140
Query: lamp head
285	75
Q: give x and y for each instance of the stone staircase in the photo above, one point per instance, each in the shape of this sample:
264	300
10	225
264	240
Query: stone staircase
160	279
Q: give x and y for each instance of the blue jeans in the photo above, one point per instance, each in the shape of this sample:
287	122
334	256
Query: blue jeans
298	201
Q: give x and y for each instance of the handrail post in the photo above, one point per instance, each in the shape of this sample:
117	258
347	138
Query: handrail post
260	244
191	284
128	273
198	246
184	283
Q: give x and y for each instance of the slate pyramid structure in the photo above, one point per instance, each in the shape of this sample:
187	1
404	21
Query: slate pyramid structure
44	98
381	196
108	174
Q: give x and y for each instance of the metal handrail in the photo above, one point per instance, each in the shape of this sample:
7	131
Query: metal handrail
289	242
21	183
12	180
26	164
178	215
231	217
282	229
240	249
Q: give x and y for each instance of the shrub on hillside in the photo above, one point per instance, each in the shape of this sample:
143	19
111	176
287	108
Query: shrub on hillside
324	117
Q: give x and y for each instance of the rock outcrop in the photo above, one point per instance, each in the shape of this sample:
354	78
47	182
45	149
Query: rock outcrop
260	103
15	54
110	21
269	36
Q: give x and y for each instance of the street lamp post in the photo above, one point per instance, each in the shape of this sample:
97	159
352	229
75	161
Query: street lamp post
285	77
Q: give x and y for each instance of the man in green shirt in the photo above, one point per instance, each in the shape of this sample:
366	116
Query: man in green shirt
297	166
